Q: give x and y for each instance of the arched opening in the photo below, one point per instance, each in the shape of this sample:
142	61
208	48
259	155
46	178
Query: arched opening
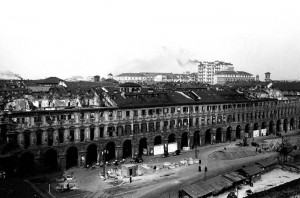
157	140
142	146
184	140
50	137
91	154
238	132
50	160
285	125
219	135
255	126
72	157
292	124
196	138
39	137
110	151
278	123
208	136
61	132
26	164
127	148
271	130
228	133
27	139
92	132
171	138
263	125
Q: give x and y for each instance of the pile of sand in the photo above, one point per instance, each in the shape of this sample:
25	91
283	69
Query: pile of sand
231	154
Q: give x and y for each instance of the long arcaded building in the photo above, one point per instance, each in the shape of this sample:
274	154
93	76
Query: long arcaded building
65	128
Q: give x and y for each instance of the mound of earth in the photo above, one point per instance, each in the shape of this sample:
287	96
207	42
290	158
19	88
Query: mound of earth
231	154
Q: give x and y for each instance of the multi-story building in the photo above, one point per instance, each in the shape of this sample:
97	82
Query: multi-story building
120	122
206	70
222	77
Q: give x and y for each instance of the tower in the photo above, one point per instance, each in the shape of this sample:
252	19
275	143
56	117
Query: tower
267	76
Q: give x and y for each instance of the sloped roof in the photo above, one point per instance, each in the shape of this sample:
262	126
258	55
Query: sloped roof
287	86
267	162
50	80
233	73
130	84
252	170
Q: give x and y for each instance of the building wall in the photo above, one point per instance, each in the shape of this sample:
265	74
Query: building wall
192	124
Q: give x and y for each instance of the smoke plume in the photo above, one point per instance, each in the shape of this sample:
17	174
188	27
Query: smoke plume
9	75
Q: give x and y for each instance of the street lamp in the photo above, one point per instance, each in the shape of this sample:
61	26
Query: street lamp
104	152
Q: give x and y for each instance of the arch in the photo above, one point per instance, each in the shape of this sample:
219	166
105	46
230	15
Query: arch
228	133
171	138
292	124
208	136
278	124
71	157
26	164
157	140
91	154
184	140
50	160
196	138
285	125
111	151
219	135
238	132
142	146
127	151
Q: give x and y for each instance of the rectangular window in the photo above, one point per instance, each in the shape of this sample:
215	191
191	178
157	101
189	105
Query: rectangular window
143	112
110	114
127	113
166	110
158	111
135	113
151	127
92	115
119	114
101	114
185	109
178	109
172	109
150	111
69	116
196	109
81	115
157	126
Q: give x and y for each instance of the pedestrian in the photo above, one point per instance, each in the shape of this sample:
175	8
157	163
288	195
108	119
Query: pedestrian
130	179
199	161
199	169
154	167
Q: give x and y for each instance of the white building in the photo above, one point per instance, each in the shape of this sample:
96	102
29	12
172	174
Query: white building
206	70
222	77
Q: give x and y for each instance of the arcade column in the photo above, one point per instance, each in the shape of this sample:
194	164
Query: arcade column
119	152
55	137
150	148
77	132
66	135
62	162
97	131
87	134
178	139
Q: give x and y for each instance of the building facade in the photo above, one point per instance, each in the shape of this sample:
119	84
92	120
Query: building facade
222	77
206	70
140	120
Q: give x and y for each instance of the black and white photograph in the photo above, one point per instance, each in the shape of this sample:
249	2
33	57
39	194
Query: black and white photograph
149	99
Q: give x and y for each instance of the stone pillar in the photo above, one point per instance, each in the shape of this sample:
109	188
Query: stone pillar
98	155
21	139
45	138
55	137
191	141
233	134
165	143
66	135
105	132
97	132
77	135
76	117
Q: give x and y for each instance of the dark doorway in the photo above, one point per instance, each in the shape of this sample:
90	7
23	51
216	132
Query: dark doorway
292	124
255	127
228	134
208	137
91	154
26	164
278	126
72	157
196	138
127	148
184	140
50	160
111	151
27	139
285	127
271	131
50	137
142	146
219	135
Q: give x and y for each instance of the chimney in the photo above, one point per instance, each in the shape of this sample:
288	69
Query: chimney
267	77
96	78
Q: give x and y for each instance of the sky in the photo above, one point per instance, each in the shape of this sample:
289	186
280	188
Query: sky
65	38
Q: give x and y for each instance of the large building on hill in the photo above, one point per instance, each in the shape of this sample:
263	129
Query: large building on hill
74	126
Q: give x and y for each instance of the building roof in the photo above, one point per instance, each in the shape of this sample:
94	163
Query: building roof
50	80
267	162
131	75
130	84
234	177
233	73
252	170
287	86
196	191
